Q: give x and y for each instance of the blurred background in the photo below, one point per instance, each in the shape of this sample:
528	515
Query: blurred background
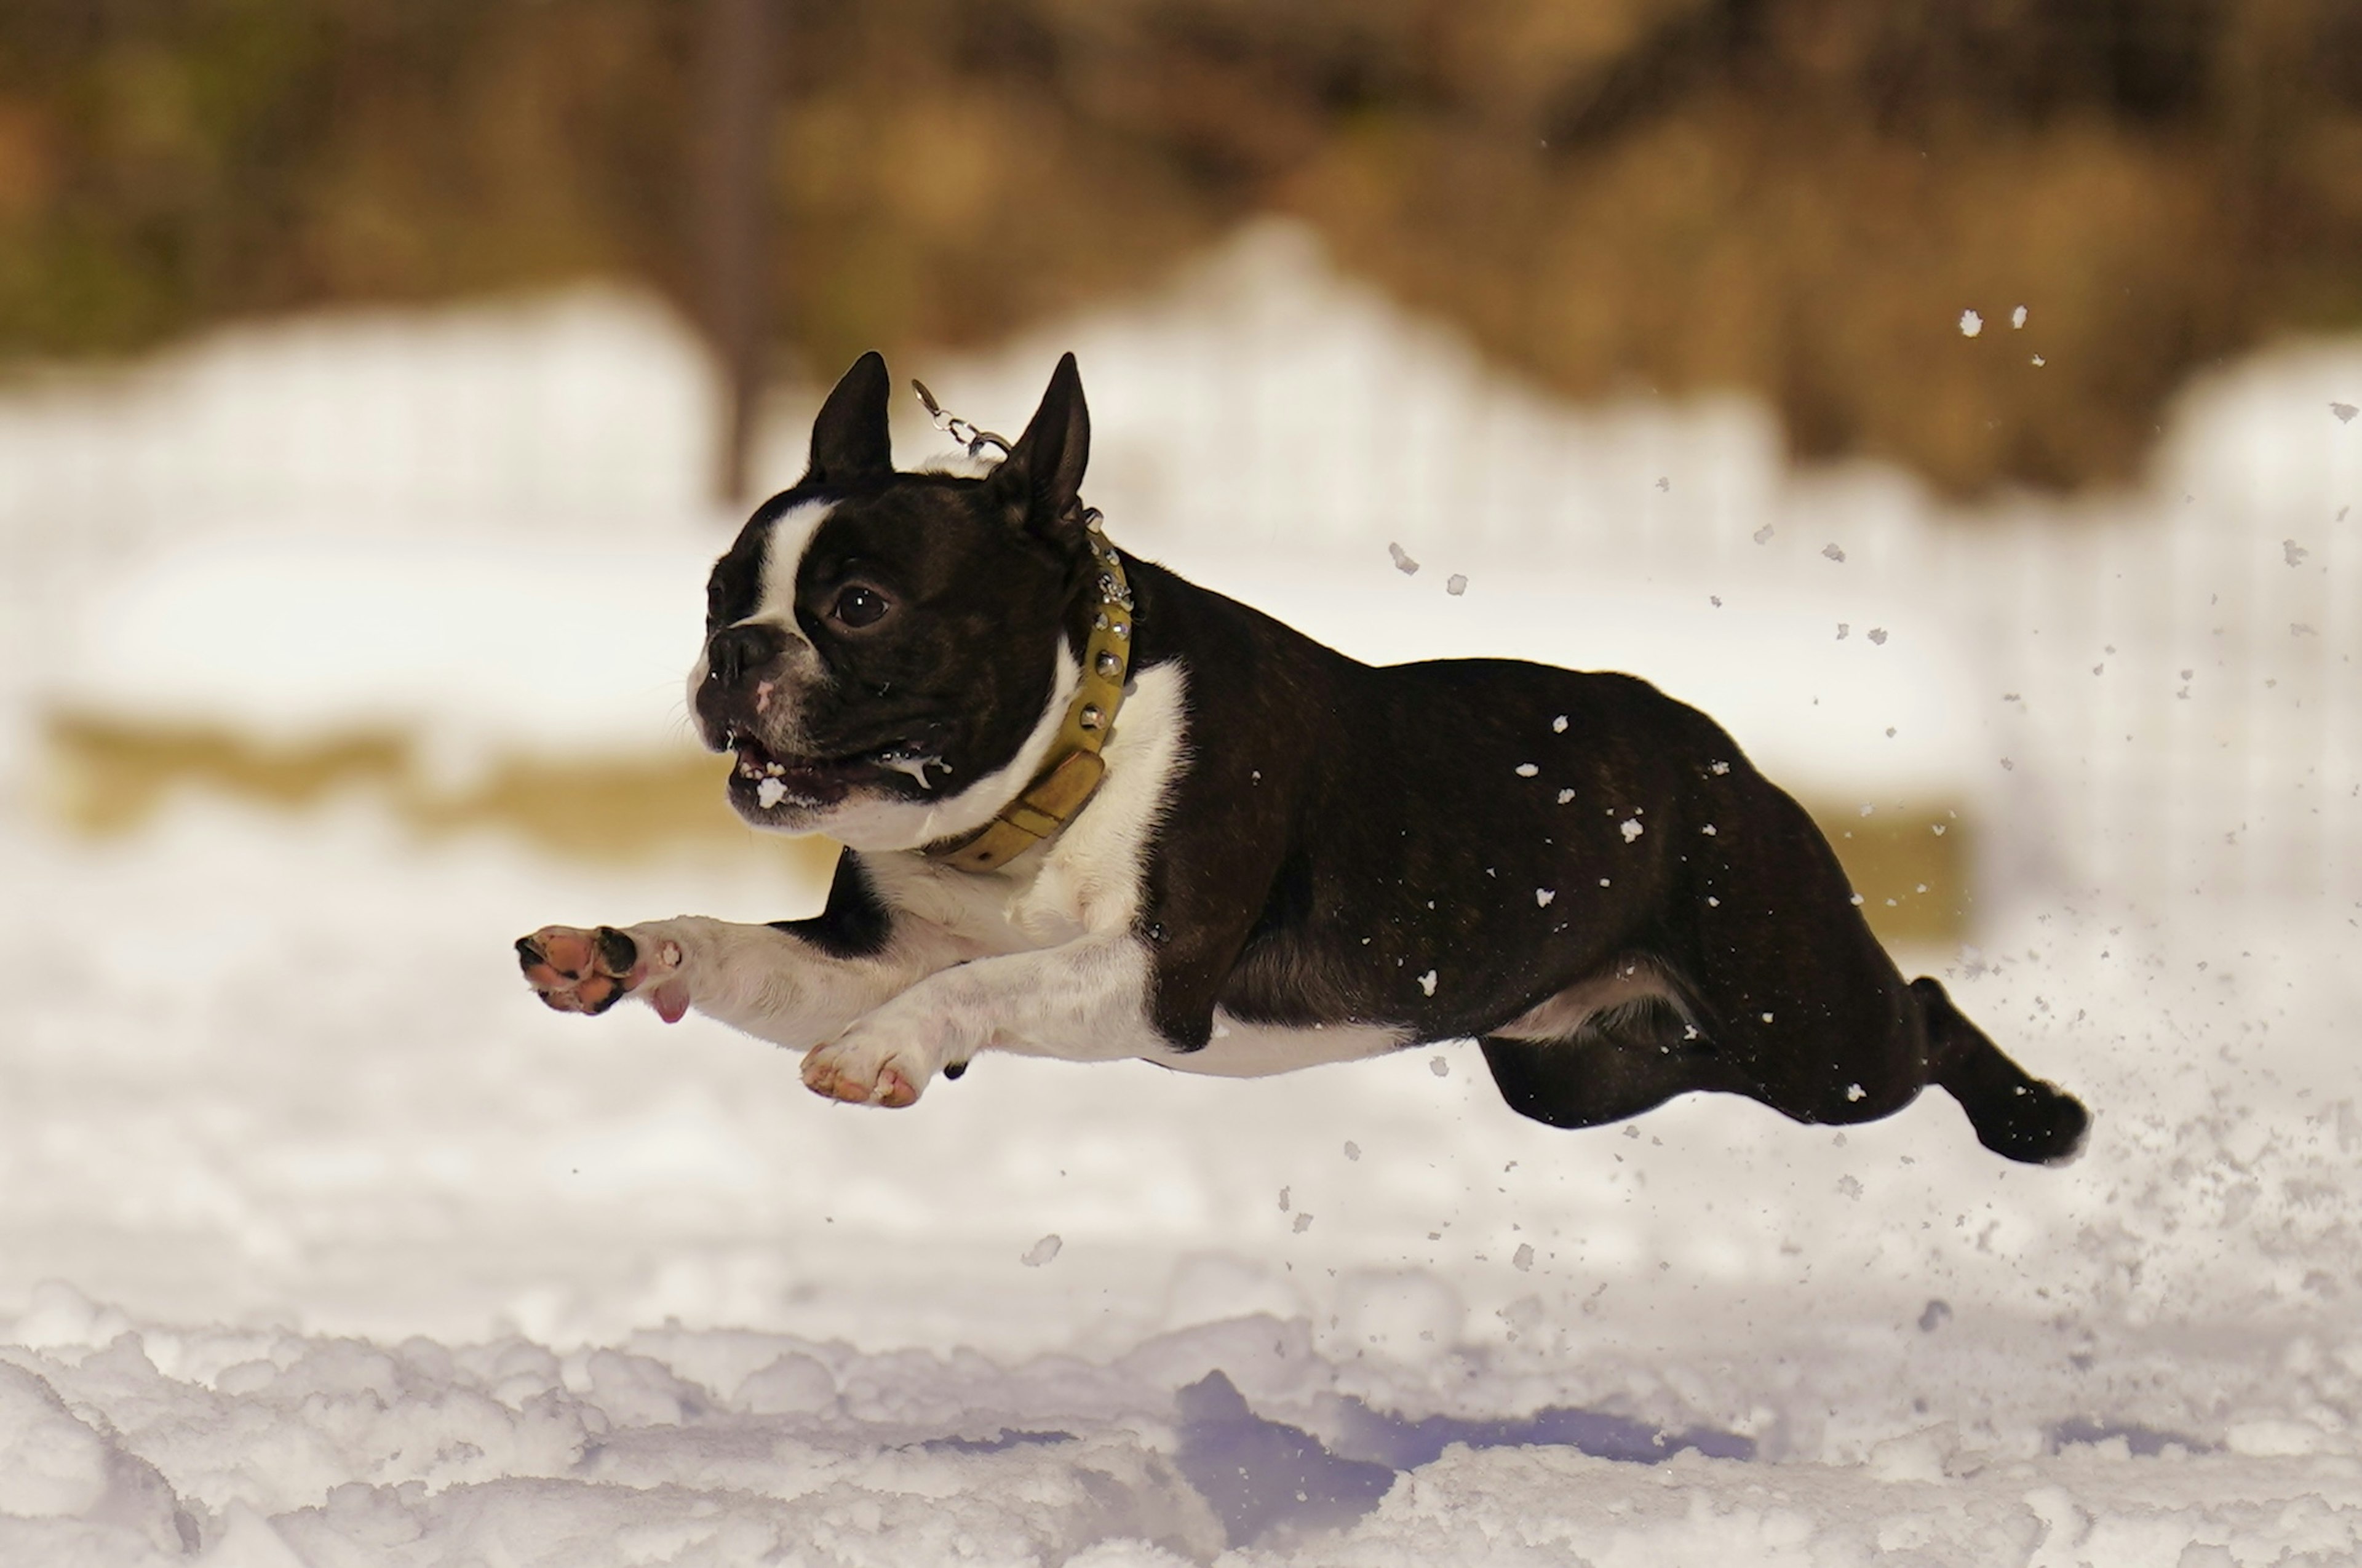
1957	400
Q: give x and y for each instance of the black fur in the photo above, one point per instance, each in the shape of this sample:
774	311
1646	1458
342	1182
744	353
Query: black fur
855	923
1358	827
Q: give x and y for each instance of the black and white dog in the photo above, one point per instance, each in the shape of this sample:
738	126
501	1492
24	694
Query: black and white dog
1094	812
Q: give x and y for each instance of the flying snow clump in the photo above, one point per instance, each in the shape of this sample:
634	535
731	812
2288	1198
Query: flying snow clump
1971	324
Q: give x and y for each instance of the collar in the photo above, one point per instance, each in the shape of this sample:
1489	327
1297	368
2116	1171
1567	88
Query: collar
1071	774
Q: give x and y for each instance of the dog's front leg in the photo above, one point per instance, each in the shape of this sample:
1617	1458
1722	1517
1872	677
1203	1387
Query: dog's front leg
766	980
1085	1001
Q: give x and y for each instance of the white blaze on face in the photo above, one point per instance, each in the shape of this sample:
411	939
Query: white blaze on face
775	605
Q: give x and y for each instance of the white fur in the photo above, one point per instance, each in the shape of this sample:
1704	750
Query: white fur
1562	1016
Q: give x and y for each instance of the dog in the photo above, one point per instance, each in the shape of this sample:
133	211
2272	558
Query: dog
1091	810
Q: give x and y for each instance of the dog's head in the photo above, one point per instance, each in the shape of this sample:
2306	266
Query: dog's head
887	654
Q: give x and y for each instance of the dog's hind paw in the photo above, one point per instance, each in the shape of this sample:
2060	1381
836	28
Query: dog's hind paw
2040	1125
574	970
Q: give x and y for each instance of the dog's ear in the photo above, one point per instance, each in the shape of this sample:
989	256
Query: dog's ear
850	440
1041	480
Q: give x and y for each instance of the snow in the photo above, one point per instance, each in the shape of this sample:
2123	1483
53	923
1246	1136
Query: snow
322	1243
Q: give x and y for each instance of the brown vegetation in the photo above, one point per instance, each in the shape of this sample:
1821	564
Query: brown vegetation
1796	196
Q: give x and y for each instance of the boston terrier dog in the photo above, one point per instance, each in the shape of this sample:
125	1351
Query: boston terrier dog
1092	811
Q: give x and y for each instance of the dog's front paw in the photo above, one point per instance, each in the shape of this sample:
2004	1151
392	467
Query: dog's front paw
575	970
869	1066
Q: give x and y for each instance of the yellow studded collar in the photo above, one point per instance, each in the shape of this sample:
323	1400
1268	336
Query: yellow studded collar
1071	774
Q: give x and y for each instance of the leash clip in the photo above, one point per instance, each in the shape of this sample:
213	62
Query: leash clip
960	430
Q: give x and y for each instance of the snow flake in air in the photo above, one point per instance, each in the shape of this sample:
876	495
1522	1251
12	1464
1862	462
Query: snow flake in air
1971	324
1630	828
1456	585
1403	563
2017	318
1878	635
1763	535
1558	726
1721	768
1542	896
2345	412
1845	630
1042	1251
1527	769
1522	1260
1427	984
2292	552
1834	552
1564	796
1439	1067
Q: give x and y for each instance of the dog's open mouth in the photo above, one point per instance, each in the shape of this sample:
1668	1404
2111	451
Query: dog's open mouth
772	782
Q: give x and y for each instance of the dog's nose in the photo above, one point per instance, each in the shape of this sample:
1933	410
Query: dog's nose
737	649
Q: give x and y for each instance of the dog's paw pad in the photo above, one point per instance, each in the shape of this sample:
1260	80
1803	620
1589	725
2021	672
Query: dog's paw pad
575	970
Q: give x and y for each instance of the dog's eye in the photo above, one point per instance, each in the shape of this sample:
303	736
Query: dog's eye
859	606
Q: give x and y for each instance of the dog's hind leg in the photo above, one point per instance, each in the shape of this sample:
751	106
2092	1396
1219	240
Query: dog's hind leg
2016	1115
1617	1064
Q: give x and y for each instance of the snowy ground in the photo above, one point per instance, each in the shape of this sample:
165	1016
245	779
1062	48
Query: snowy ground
331	1247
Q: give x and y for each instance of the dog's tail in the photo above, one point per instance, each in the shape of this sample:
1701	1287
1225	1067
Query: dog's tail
2016	1115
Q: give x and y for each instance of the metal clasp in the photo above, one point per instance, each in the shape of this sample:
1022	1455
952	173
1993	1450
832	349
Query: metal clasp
958	429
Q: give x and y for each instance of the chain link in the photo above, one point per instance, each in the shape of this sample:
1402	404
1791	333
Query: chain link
971	438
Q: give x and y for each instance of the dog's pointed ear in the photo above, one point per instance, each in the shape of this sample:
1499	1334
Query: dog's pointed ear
850	440
1041	480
